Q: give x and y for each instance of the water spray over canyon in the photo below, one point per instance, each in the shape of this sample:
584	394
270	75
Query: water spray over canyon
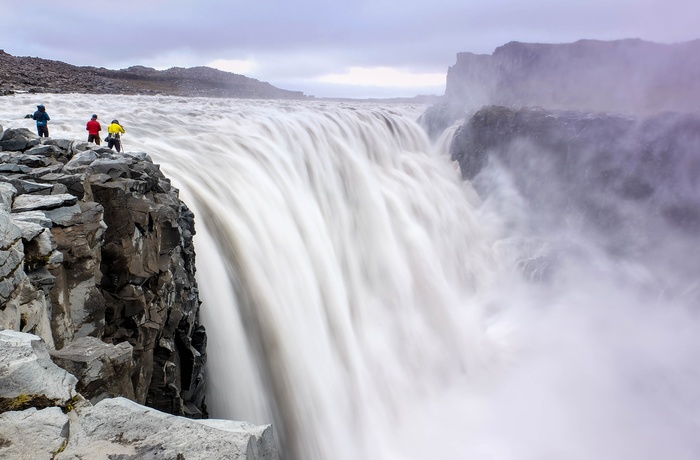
371	305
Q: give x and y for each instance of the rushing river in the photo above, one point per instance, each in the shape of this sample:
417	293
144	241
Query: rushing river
367	302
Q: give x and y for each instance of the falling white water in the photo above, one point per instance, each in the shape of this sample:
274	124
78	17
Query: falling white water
362	299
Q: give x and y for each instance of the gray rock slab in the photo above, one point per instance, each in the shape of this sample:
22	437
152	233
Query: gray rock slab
138	156
45	150
263	438
33	161
16	139
64	216
13	168
9	231
11	273
119	427
32	434
26	369
113	168
103	369
39	172
7	193
63	144
83	158
37	217
30	230
32	187
38	202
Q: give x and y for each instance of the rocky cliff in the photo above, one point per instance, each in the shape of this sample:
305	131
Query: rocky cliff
590	75
42	416
30	74
612	175
622	76
96	258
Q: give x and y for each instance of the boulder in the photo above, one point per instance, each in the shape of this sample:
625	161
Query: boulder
63	144
16	139
32	433
103	370
36	217
114	168
36	202
42	416
26	186
27	372
14	168
120	428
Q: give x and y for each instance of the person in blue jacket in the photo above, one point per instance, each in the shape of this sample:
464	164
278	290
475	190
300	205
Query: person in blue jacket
42	119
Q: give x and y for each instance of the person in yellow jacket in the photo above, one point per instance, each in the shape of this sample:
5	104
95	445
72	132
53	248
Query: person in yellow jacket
115	131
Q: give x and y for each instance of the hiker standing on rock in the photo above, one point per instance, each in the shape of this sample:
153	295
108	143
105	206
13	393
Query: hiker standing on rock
114	137
93	128
42	119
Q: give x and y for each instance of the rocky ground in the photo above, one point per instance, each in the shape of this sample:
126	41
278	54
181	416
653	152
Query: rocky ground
99	311
31	74
96	250
42	416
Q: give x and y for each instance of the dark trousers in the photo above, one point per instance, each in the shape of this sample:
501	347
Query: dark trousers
114	143
43	131
94	138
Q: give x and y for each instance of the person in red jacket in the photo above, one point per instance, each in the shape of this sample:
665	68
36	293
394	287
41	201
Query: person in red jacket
93	128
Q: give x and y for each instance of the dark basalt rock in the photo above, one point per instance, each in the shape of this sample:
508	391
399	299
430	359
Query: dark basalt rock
99	246
617	172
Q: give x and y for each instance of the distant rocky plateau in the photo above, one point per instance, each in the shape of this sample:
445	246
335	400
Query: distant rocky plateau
629	76
36	75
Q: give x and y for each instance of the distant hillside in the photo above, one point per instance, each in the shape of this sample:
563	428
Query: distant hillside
20	74
621	75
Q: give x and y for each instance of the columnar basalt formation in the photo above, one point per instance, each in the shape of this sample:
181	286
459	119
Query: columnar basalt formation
96	258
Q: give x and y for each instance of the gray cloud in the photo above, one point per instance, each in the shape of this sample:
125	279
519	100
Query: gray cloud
297	40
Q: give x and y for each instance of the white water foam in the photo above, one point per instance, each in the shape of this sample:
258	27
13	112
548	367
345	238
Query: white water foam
359	297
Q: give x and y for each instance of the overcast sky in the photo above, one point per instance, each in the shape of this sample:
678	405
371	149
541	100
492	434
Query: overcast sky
326	48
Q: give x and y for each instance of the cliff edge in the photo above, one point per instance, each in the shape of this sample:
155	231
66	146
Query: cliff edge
97	259
621	76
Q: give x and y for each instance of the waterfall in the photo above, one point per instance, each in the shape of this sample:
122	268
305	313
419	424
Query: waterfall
351	253
363	299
